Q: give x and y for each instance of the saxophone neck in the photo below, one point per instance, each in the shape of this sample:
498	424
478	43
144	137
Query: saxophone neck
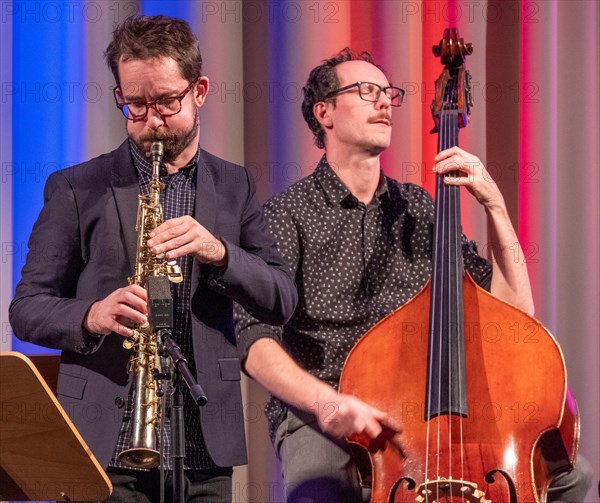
157	151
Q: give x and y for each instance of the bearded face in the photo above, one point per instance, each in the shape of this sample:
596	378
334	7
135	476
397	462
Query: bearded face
148	80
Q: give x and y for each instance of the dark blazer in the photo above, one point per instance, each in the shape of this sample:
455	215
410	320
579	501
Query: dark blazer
83	247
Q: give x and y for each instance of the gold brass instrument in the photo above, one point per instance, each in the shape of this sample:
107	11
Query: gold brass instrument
145	361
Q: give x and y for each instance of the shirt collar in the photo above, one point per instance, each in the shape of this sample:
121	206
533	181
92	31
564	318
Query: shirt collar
334	188
143	165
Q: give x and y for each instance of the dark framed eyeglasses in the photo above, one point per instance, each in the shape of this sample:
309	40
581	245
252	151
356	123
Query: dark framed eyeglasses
370	91
165	107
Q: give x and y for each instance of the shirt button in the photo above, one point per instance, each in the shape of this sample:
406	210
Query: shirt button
119	402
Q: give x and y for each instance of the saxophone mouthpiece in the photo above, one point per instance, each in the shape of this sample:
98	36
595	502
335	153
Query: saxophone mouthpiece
157	151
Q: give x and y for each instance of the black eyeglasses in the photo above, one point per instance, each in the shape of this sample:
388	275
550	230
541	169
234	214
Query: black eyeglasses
165	107
370	91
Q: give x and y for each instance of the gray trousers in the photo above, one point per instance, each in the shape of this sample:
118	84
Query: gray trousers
319	469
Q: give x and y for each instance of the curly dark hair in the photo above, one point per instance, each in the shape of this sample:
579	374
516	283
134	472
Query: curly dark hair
322	80
145	37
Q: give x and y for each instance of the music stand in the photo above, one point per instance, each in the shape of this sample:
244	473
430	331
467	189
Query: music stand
42	456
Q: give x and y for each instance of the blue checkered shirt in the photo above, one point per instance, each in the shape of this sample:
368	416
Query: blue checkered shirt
178	199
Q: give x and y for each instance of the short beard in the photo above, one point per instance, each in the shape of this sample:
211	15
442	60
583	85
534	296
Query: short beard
174	142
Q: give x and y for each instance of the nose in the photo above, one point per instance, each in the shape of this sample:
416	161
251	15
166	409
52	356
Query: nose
383	102
154	119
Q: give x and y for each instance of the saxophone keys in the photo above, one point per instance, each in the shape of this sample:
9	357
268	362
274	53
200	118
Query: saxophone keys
174	272
132	340
175	278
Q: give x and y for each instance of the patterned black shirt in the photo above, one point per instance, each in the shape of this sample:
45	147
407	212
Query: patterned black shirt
177	198
353	263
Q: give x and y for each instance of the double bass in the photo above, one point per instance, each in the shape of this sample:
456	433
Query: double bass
476	386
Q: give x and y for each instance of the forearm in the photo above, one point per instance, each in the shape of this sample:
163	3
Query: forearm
510	279
51	322
271	366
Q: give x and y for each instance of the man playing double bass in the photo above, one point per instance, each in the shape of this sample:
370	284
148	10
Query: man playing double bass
360	245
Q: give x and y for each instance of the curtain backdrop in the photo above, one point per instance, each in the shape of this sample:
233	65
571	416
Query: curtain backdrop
535	123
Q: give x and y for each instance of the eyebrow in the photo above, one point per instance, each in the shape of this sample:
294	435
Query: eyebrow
166	94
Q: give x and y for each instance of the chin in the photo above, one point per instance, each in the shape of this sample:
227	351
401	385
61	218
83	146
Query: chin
380	146
375	150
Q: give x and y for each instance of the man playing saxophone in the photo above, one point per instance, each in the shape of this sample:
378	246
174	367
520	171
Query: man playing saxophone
75	296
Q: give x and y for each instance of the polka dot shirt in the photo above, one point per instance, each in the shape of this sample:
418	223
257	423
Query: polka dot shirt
353	263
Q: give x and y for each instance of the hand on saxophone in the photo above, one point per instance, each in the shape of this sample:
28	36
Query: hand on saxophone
185	236
118	312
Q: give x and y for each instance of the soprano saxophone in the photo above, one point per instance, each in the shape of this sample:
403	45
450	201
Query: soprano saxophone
145	361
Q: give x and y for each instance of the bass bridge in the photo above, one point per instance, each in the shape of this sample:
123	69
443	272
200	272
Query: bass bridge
445	490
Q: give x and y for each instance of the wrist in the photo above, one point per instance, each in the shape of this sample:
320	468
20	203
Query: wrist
221	255
324	395
496	207
87	320
89	325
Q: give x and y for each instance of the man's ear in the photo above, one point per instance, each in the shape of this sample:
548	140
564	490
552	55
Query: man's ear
200	91
119	94
322	112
